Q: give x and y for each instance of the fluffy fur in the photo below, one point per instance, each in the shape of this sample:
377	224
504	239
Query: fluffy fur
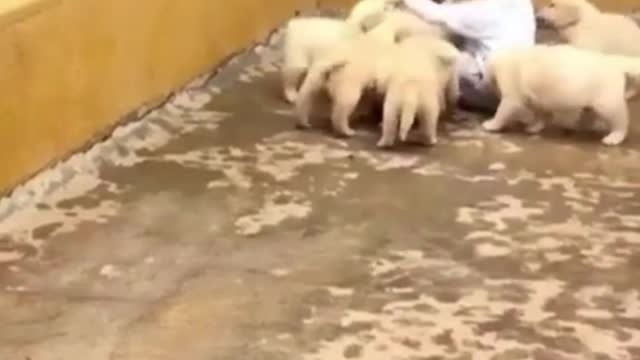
582	24
403	23
562	80
308	38
421	85
305	40
353	66
366	14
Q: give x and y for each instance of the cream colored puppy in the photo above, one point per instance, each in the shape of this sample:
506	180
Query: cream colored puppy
582	24
562	80
305	40
421	85
308	38
353	66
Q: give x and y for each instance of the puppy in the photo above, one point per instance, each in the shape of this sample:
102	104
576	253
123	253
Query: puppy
561	80
582	24
308	38
351	67
305	40
422	84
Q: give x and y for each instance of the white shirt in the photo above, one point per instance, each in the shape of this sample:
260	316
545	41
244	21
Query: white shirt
487	25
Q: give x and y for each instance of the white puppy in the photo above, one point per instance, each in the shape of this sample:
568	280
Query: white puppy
305	40
422	84
583	25
562	80
365	61
308	38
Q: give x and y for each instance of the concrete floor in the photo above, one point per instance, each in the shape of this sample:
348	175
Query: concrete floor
212	229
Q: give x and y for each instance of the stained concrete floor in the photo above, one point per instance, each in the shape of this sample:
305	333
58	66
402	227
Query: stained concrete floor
212	229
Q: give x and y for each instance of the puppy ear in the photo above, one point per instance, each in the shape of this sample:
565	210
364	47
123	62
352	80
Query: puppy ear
447	55
401	35
447	59
371	21
567	15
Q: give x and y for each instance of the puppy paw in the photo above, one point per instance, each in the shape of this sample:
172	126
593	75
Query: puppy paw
384	143
346	132
614	138
291	98
290	95
492	125
303	124
534	128
430	141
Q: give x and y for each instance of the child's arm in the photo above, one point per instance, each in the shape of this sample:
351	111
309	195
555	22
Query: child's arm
471	20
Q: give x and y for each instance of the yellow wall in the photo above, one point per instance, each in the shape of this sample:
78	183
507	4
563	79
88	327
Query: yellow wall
617	5
70	69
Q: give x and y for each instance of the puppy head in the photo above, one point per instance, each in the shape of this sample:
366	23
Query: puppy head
561	14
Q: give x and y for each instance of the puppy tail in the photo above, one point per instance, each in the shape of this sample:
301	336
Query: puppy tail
408	116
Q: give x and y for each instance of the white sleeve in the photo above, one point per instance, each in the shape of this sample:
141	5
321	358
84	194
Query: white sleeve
473	19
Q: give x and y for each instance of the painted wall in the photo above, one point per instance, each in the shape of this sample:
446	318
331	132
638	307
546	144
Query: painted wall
70	69
618	5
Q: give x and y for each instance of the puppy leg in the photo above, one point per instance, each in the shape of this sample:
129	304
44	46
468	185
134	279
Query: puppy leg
345	101
533	122
507	110
429	114
305	98
534	127
410	107
316	80
390	119
291	78
295	65
618	117
569	119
